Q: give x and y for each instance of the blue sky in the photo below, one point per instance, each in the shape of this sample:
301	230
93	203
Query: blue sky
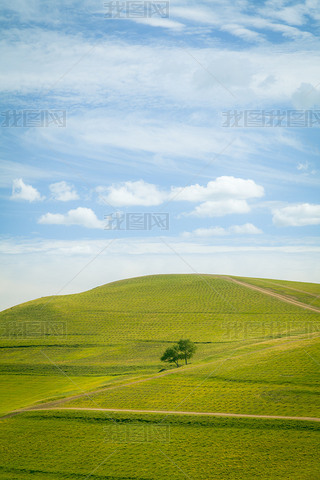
142	105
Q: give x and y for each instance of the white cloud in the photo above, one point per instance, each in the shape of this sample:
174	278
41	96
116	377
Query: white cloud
23	191
217	13
303	166
306	96
206	232
225	194
106	129
41	53
83	217
297	215
220	197
294	15
289	32
246	229
242	32
143	245
63	192
196	14
131	193
160	22
220	208
272	16
222	188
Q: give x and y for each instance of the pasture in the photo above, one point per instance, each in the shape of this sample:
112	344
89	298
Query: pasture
256	354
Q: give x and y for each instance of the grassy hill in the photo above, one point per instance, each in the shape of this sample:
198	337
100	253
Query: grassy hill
257	354
119	330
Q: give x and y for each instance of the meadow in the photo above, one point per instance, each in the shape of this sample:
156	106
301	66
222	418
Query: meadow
277	378
256	354
94	445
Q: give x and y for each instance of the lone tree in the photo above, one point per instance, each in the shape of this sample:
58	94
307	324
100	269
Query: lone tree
171	355
186	349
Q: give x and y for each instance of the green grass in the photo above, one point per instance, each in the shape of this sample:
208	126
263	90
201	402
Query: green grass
275	378
74	446
17	391
121	329
256	355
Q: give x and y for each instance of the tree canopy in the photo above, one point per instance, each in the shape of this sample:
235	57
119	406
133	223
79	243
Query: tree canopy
184	349
187	349
171	355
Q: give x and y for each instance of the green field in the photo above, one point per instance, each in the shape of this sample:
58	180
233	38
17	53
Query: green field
274	379
17	391
256	354
75	445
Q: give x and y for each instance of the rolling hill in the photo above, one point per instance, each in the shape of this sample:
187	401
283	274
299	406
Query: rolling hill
258	354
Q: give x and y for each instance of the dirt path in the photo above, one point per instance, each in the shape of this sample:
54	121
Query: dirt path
172	412
273	294
314	295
